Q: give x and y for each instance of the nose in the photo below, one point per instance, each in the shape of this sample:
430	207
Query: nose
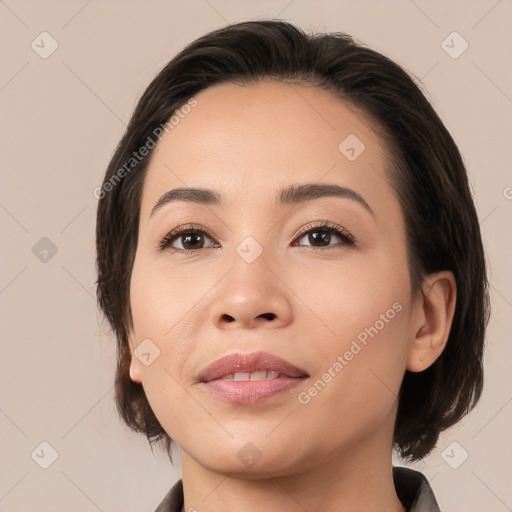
251	296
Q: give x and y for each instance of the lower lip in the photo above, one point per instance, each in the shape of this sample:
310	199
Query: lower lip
250	391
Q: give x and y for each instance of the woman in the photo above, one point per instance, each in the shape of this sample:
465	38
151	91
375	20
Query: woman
290	258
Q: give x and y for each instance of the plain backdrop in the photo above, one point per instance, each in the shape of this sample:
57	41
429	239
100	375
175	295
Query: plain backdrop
70	77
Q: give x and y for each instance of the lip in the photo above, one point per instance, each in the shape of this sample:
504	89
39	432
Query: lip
248	363
250	391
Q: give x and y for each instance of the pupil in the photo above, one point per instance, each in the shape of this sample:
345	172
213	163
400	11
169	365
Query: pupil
325	237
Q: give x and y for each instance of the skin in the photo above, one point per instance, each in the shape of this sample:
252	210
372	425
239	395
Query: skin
333	453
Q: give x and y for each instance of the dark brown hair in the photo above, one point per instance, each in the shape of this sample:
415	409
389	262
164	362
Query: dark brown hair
426	170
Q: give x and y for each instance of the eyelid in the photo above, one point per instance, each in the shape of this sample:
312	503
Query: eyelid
326	225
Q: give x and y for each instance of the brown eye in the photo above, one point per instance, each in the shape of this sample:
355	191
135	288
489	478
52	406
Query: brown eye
322	236
186	240
191	241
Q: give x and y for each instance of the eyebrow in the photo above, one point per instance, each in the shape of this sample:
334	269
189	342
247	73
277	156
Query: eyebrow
291	195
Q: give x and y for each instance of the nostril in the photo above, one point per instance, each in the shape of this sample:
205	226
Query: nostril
267	316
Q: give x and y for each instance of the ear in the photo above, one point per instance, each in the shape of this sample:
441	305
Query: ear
135	364
432	320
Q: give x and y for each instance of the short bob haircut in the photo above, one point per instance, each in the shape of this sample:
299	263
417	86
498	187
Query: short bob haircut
425	169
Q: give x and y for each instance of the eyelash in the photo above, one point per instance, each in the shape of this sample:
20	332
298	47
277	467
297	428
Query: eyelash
346	237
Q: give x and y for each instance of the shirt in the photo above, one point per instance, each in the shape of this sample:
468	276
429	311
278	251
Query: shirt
411	487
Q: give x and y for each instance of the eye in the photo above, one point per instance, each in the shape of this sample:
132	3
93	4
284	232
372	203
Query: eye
321	235
191	238
186	239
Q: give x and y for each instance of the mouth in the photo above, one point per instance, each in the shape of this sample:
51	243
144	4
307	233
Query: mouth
250	378
253	366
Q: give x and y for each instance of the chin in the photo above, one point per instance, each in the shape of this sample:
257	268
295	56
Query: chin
249	460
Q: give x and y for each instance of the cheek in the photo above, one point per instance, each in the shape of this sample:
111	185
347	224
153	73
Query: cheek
164	303
358	296
165	299
360	362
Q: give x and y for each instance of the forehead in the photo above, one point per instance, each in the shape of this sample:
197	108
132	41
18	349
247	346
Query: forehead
248	141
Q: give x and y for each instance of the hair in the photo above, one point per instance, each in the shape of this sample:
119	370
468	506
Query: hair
426	171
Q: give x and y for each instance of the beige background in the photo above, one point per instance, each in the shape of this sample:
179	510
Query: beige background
61	119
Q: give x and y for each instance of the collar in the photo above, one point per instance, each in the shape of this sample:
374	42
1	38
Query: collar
411	487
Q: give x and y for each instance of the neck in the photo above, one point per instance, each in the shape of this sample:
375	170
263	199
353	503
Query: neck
358	479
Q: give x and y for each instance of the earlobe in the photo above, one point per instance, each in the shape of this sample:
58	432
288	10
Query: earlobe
135	370
435	310
134	363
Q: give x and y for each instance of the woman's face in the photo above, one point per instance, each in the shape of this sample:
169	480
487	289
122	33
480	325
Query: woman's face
260	275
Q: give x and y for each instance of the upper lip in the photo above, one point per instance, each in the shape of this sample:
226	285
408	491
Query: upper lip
248	363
